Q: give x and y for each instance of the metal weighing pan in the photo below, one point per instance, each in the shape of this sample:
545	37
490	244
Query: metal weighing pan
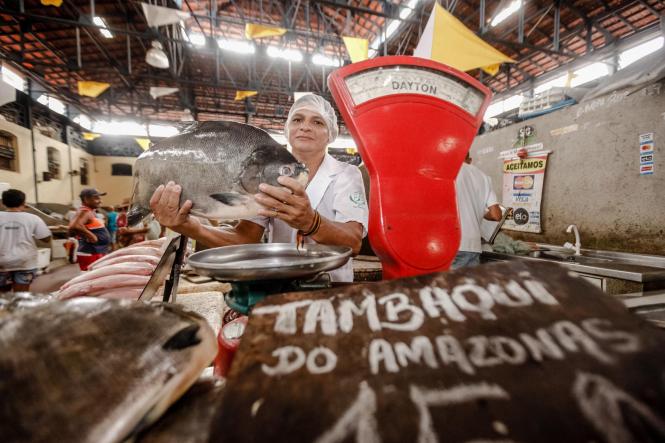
268	261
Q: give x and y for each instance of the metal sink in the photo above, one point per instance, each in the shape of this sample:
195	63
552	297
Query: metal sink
620	265
548	254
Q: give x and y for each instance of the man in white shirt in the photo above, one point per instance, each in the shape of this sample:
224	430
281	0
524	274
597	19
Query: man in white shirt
18	252
475	200
330	210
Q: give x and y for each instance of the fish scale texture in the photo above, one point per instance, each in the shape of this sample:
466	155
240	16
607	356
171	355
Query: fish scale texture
87	369
210	158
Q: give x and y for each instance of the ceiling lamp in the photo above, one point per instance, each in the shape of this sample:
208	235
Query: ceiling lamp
187	116
323	60
292	55
103	28
156	56
513	7
237	46
197	39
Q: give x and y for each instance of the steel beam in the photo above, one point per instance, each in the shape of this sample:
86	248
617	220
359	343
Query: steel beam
557	25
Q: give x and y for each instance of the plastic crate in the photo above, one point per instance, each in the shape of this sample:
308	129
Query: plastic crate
43	258
541	102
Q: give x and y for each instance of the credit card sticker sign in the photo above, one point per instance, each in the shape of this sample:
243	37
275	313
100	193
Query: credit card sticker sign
646	153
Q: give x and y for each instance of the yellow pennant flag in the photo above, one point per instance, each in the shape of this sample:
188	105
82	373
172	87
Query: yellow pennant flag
244	94
492	69
357	48
446	40
55	3
90	136
92	89
252	30
144	143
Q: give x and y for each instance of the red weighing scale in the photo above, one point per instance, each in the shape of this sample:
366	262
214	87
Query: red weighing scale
414	121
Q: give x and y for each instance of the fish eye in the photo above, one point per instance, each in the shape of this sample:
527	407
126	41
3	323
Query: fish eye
286	170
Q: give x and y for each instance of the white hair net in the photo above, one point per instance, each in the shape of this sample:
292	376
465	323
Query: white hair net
319	105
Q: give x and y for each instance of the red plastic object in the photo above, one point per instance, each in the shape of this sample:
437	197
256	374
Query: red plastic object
523	153
413	145
228	340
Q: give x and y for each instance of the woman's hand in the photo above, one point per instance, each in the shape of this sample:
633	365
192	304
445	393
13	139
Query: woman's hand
165	205
290	203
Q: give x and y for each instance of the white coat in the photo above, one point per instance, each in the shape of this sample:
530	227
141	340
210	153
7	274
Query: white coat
337	192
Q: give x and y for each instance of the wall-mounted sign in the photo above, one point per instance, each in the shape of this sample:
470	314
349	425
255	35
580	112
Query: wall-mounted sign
500	352
646	153
523	181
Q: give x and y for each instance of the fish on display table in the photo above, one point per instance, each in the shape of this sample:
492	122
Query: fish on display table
219	166
103	271
127	258
95	370
189	419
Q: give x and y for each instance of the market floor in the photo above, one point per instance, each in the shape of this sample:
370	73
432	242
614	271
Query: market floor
52	281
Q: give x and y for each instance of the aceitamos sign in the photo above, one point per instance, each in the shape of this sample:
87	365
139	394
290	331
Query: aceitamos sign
523	181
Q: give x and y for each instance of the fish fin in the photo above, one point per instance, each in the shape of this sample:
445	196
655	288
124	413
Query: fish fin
136	214
184	338
229	198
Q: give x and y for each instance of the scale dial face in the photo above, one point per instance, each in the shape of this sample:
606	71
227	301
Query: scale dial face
392	80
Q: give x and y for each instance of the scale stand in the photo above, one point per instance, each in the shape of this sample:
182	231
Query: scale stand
245	294
171	285
167	271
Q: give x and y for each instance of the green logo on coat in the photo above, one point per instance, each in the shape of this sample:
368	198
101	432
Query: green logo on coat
358	199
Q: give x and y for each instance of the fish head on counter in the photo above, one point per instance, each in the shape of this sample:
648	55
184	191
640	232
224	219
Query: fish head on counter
94	370
219	166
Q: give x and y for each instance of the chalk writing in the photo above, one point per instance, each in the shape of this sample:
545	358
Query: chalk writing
500	353
481	351
401	314
614	413
292	358
424	398
358	419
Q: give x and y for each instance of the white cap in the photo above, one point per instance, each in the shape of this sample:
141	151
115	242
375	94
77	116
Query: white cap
319	105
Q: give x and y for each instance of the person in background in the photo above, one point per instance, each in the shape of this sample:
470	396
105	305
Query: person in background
94	238
154	229
121	220
330	210
69	216
18	251
475	200
112	224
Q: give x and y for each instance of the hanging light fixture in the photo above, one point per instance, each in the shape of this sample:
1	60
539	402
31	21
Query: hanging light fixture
187	116
156	56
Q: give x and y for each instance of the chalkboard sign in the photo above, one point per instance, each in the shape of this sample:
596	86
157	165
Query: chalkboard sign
503	352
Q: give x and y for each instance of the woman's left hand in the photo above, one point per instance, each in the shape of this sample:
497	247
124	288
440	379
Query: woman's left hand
289	203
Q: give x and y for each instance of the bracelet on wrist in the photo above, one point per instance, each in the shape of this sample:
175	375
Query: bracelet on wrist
316	224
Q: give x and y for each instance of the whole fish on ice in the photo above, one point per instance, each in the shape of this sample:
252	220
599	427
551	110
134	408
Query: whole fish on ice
219	166
94	370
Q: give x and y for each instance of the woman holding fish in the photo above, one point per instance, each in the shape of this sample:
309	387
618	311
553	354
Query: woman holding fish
330	209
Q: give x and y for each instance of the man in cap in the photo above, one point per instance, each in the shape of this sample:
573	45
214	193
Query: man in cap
330	210
94	239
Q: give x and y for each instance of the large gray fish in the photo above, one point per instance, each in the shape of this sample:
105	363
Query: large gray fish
189	420
219	166
94	370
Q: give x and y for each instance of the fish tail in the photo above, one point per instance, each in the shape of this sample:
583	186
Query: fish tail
136	214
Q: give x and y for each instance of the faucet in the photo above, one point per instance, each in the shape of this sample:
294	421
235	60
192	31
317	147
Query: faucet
499	224
578	244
